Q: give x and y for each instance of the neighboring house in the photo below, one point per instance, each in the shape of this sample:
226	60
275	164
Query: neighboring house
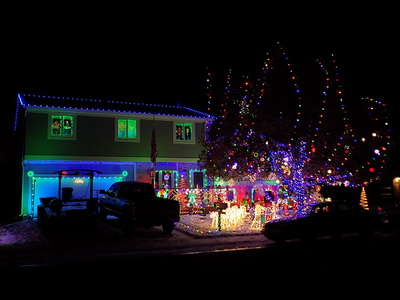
87	144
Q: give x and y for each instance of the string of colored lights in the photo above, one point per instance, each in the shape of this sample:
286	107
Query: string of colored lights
375	139
271	64
324	140
332	132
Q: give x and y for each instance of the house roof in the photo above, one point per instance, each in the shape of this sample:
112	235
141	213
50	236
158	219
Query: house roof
112	106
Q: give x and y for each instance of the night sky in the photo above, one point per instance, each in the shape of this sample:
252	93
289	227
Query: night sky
160	53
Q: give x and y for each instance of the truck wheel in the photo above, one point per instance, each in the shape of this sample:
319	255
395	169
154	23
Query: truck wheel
168	227
55	205
42	216
102	214
92	204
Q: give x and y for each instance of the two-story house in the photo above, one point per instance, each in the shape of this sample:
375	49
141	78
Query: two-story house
95	142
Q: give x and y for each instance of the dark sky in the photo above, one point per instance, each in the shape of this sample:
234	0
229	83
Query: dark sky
159	53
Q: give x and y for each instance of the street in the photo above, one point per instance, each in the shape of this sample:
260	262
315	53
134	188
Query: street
150	256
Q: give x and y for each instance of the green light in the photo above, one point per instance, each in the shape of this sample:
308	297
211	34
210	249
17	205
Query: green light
124	173
30	173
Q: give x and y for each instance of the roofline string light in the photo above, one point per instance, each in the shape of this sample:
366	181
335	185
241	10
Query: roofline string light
113	102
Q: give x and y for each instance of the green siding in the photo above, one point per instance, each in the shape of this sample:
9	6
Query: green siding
95	136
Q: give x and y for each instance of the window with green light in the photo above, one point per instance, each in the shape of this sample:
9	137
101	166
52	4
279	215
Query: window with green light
127	129
183	131
62	126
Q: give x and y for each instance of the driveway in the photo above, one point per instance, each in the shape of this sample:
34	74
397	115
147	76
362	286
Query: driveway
26	243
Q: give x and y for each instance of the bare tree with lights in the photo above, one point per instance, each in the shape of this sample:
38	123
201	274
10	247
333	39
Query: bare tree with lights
266	126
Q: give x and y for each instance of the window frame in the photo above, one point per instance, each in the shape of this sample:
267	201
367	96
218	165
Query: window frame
191	178
193	135
159	178
129	140
72	136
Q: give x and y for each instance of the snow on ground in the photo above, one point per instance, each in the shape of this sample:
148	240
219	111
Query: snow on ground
207	226
27	234
21	234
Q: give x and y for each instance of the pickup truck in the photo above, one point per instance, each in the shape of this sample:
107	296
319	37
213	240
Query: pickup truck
135	203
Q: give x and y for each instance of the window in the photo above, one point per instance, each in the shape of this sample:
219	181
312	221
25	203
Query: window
127	130
166	179
184	132
197	179
62	126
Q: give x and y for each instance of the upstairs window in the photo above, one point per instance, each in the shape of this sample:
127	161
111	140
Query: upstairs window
184	132
127	130
62	127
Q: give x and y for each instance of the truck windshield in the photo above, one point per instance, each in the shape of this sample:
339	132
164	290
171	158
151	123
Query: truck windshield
133	191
